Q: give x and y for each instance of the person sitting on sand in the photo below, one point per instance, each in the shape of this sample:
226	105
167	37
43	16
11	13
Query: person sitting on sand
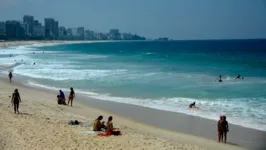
110	129
71	96
10	76
220	129
61	98
192	105
15	100
97	125
225	128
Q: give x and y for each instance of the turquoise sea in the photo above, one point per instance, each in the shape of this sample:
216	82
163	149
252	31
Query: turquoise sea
166	75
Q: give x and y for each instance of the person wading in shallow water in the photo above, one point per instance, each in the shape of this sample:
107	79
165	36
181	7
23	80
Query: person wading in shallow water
15	100
10	76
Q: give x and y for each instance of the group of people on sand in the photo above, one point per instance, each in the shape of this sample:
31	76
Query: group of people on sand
108	128
222	128
238	77
61	100
222	125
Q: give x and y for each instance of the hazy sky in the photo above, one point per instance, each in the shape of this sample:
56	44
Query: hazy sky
177	19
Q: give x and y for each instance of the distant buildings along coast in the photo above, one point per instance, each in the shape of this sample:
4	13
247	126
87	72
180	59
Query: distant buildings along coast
30	29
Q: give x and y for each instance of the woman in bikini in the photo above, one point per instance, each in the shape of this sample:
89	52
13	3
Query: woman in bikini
220	129
71	96
110	129
15	100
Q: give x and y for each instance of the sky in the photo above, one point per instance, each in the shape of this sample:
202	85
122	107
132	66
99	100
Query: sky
176	19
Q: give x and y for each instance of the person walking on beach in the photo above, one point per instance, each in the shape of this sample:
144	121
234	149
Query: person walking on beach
225	128
15	100
220	129
71	96
10	76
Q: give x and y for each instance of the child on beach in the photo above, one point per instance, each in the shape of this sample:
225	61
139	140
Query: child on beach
15	100
71	96
10	76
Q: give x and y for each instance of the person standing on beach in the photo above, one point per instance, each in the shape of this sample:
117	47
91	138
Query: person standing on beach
15	100
71	96
225	128
220	129
10	76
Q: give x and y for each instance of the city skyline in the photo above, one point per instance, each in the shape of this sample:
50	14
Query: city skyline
176	19
31	29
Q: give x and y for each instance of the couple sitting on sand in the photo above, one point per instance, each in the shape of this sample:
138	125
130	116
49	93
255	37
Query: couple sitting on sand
109	129
61	100
223	128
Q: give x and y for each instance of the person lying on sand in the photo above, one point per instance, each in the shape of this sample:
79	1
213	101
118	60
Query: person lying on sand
15	100
220	129
10	76
97	125
61	98
110	129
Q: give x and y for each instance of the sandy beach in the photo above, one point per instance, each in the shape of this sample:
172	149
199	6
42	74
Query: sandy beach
42	124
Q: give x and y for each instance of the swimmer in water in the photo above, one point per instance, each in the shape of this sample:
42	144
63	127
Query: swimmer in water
192	105
238	77
34	63
220	80
242	78
220	76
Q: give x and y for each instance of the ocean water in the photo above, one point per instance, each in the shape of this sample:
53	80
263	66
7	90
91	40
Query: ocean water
165	75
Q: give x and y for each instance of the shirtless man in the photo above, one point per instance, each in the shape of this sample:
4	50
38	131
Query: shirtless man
225	128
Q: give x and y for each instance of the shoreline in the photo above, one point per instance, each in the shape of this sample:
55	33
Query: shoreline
140	127
170	121
176	122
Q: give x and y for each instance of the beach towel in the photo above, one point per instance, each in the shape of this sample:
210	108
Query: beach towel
90	132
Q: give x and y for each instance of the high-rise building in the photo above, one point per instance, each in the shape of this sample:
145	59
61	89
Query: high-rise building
55	29
39	31
69	34
25	27
49	26
81	33
30	21
114	34
13	29
62	33
37	23
2	29
74	32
